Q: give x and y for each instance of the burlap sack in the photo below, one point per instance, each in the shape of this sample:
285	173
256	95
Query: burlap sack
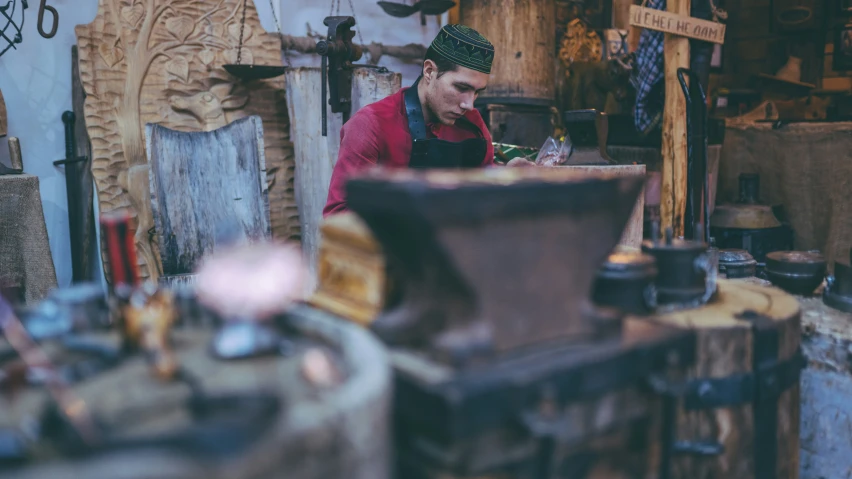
25	259
807	167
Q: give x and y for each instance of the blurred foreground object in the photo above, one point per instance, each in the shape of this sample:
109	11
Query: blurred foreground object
353	281
316	402
494	339
443	231
504	366
252	281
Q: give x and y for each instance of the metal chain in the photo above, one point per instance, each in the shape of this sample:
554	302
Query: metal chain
242	29
280	34
357	26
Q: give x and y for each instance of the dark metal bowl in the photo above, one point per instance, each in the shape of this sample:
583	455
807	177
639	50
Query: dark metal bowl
254	72
797	272
434	7
399	10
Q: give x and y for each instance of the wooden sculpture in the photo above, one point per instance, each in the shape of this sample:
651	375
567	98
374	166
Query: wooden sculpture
160	61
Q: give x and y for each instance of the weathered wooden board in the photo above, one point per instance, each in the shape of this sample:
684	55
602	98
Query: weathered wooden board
4	122
204	184
681	25
84	149
145	61
632	235
316	155
724	348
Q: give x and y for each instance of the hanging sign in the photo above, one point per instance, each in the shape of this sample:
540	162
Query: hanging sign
675	24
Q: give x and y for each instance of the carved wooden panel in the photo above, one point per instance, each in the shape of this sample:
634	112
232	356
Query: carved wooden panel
160	61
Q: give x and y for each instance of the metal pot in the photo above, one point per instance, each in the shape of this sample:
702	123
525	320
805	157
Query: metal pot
626	282
737	263
682	278
797	272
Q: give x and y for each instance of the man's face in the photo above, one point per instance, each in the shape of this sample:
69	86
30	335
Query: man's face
451	94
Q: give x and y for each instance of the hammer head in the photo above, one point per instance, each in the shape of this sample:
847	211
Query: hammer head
493	260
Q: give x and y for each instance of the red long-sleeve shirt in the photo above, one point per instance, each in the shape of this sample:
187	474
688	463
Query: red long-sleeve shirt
378	135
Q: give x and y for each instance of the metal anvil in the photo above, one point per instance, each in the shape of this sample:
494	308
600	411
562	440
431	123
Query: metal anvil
493	260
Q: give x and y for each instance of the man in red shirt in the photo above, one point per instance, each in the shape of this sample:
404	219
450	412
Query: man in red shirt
431	125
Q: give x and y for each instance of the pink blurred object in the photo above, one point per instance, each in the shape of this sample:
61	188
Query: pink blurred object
253	281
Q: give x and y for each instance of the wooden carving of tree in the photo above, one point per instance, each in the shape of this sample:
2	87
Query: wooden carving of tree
179	31
161	61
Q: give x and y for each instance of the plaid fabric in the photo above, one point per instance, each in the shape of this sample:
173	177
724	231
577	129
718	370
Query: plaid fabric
647	77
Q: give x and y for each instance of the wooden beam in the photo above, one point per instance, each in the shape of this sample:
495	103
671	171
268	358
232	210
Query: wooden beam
673	192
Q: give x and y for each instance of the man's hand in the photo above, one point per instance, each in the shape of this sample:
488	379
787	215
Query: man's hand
519	163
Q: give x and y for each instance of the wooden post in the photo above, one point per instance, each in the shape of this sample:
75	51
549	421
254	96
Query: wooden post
673	193
316	155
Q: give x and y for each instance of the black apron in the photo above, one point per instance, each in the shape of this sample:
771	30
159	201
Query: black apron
435	153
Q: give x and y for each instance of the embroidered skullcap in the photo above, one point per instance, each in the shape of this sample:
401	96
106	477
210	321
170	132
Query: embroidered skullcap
465	47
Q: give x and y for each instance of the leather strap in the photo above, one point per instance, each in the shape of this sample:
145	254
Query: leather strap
414	112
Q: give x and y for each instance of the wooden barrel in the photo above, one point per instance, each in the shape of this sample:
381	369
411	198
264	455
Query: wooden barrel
316	155
335	431
745	325
522	32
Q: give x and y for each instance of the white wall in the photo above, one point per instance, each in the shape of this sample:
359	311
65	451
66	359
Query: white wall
372	22
36	83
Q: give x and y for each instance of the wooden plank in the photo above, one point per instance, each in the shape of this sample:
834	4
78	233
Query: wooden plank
316	155
674	152
632	235
204	184
678	23
4	122
84	149
837	84
162	61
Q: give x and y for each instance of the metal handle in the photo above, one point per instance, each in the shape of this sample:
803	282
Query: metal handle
54	26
